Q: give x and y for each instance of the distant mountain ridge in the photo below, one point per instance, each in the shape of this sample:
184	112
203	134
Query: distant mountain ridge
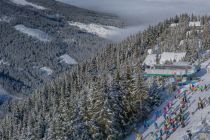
36	34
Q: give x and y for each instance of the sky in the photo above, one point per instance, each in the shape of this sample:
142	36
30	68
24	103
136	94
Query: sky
139	14
144	12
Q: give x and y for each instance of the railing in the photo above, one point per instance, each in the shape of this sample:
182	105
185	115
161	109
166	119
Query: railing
169	72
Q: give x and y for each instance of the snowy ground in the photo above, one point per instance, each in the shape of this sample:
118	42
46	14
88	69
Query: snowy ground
26	3
46	70
68	59
36	33
194	117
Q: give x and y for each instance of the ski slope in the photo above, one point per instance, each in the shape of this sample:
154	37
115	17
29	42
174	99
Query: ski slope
36	33
193	116
26	3
96	29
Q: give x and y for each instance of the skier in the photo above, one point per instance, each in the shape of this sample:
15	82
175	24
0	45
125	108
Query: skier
182	123
189	134
171	121
180	110
156	136
156	125
206	87
161	138
200	104
173	127
165	127
209	100
165	111
180	118
145	124
157	114
167	133
161	132
139	136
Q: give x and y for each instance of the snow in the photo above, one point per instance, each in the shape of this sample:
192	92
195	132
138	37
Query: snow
2	62
196	120
195	23
111	33
181	42
150	60
171	56
174	24
36	33
46	70
26	3
149	51
96	29
5	19
68	59
188	33
165	56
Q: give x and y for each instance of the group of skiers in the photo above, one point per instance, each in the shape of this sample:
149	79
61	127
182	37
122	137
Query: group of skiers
200	88
173	116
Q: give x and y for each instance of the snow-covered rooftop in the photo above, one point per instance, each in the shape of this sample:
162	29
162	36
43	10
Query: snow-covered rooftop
26	3
171	56
195	23
150	60
165	56
36	33
68	59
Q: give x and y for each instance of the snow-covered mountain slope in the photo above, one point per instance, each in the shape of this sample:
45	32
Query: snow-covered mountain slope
97	29
26	3
108	32
68	59
196	120
36	33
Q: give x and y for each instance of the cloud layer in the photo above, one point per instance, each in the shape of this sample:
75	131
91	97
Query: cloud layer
144	12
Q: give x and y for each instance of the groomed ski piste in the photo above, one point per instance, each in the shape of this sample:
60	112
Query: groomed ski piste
195	121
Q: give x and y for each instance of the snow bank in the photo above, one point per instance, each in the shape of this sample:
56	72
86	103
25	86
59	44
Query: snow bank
46	70
36	33
25	3
96	29
68	59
